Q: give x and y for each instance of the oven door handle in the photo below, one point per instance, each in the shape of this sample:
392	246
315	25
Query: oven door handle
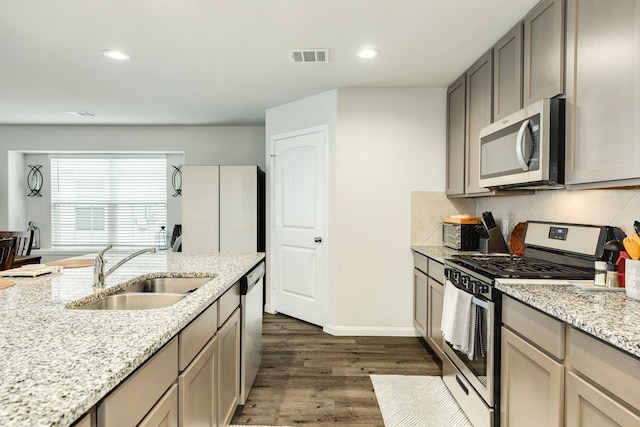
479	302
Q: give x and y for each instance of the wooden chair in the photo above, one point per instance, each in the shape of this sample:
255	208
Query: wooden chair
7	252
22	250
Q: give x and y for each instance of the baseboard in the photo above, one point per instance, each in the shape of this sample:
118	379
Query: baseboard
371	331
268	309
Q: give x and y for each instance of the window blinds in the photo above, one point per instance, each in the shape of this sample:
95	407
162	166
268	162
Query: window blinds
97	200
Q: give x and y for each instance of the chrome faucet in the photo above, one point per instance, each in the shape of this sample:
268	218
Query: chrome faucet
99	275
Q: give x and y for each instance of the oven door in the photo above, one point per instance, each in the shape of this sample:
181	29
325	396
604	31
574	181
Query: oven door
479	372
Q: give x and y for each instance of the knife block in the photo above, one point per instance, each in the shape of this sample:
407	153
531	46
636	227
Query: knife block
485	246
497	241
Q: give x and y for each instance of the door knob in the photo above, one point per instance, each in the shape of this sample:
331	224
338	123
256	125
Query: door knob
318	239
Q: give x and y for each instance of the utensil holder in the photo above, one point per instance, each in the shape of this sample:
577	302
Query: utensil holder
632	279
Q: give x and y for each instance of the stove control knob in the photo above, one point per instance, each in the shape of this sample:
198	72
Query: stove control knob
484	288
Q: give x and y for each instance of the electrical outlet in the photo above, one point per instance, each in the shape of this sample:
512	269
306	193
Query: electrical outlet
505	228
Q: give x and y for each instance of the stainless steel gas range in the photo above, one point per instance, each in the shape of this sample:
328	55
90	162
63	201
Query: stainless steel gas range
471	317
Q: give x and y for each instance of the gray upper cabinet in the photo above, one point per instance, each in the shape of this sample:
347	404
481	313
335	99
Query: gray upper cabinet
603	93
469	109
479	114
544	51
456	99
507	73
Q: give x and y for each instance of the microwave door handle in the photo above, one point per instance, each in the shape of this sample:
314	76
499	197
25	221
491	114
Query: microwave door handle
520	142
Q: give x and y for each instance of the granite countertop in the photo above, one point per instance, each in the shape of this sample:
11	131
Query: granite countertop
608	315
439	252
57	363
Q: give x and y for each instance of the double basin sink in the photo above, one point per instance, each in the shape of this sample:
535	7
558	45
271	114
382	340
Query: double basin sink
148	294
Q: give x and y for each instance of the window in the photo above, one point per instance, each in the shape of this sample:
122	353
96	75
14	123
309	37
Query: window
97	200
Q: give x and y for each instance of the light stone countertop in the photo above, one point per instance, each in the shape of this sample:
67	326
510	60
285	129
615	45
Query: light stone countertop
438	252
608	315
56	363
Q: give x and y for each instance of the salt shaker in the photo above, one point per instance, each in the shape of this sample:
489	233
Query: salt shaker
600	273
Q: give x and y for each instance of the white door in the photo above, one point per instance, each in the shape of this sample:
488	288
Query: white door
298	189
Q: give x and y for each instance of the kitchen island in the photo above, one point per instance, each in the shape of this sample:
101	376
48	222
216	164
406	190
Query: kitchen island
57	362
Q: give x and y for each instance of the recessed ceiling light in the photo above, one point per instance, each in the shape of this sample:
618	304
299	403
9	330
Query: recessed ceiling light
367	53
116	54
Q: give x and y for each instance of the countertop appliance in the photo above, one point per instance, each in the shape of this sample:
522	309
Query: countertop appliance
554	252
251	305
462	237
525	149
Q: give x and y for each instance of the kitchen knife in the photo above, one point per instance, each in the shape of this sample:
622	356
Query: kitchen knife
636	226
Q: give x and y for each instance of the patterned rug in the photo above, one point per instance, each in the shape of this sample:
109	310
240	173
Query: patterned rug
417	401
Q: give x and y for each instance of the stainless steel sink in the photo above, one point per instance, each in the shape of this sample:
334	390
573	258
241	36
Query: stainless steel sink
133	301
177	285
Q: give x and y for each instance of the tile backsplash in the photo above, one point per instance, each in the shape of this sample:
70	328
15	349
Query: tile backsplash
598	207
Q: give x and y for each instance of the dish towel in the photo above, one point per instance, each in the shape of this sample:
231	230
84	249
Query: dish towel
478	338
457	318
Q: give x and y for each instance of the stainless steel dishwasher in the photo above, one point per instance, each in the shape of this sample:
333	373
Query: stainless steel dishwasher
251	304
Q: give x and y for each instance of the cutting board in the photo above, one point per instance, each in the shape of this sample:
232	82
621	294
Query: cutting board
462	220
28	272
71	263
4	283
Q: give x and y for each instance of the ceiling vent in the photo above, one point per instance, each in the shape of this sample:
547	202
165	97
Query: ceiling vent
309	55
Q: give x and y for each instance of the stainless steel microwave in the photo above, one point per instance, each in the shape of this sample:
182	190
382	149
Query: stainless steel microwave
525	149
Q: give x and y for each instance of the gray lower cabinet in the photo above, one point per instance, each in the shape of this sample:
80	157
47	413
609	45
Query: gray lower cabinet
434	316
602	385
590	384
532	386
194	380
198	388
587	406
88	420
428	297
531	367
603	98
139	394
165	412
228	368
198	380
420	301
544	51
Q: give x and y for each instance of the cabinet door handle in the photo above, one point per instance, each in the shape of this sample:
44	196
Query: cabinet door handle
318	239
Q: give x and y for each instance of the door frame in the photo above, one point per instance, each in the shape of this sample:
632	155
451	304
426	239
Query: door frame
270	296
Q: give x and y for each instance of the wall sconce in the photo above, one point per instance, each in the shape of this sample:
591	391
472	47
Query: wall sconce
176	180
35	180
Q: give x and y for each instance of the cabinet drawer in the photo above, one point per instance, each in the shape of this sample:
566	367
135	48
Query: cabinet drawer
436	270
421	262
228	302
539	328
610	368
196	335
131	400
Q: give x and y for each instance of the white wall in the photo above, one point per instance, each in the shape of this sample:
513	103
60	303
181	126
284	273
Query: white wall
389	143
383	144
242	145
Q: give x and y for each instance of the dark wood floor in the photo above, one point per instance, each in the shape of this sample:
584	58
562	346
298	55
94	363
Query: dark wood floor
312	378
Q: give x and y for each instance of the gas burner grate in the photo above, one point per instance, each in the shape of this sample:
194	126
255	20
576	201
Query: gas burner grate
510	266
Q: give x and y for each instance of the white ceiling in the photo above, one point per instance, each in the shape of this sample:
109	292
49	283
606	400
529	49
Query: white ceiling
223	62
